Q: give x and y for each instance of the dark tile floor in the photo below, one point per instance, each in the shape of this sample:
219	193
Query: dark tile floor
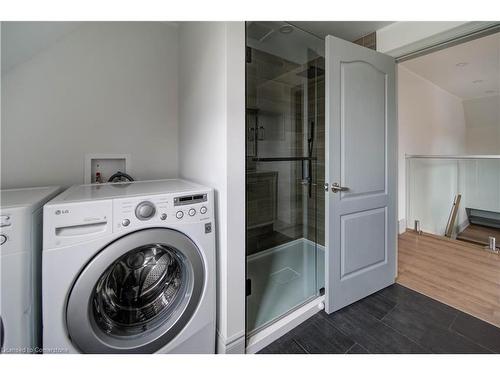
393	320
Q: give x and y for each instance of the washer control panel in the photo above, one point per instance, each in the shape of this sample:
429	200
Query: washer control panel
5	225
5	221
15	235
131	212
145	210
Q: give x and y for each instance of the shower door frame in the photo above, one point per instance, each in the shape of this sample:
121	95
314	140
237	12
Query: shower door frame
317	298
312	184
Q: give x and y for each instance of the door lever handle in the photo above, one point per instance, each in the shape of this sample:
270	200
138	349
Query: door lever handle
336	188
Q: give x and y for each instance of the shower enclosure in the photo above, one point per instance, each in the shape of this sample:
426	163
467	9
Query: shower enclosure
285	164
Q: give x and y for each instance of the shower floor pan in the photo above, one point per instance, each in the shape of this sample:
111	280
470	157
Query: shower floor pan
282	278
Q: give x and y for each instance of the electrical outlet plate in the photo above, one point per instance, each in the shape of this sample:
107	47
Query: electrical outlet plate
107	164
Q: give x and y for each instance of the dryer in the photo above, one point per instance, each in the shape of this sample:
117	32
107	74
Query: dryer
130	268
20	267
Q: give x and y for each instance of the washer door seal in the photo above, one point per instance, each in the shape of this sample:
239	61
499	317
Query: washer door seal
136	294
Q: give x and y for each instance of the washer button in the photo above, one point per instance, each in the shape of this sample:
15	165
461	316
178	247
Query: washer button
3	239
179	214
163	216
192	212
125	222
203	210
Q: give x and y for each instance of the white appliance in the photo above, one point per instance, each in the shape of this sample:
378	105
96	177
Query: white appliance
130	268
20	267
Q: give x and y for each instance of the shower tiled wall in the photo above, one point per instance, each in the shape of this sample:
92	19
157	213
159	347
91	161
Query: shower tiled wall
368	41
272	97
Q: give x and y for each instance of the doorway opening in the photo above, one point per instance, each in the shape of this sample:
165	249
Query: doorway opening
449	175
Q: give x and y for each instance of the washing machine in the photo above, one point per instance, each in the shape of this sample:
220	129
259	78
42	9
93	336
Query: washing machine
20	267
130	268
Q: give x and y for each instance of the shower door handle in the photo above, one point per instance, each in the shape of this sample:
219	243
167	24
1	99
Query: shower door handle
336	187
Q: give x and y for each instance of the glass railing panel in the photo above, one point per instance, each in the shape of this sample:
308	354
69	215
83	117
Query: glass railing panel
435	182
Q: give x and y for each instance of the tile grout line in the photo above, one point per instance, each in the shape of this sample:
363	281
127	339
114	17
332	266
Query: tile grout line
427	350
352	346
334	326
364	348
453	322
386	325
473	342
388	312
300	346
449	329
476	343
465	337
401	333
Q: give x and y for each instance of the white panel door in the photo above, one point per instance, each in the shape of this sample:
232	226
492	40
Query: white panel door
361	168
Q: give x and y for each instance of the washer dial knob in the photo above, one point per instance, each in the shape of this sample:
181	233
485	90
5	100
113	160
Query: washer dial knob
145	210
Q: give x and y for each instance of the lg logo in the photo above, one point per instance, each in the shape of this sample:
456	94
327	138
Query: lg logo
59	212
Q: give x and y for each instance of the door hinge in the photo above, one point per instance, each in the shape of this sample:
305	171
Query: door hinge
248	287
248	55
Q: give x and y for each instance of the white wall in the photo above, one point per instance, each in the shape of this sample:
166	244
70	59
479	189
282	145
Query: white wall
431	122
482	118
107	87
118	88
212	152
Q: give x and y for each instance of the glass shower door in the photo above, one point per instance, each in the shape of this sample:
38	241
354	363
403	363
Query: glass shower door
284	170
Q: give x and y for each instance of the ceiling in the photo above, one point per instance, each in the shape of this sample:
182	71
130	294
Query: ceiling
348	30
23	40
469	70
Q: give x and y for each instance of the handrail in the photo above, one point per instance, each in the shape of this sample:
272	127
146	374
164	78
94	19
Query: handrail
291	158
454	157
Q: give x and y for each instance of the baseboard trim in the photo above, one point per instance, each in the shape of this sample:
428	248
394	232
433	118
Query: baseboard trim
235	346
402	226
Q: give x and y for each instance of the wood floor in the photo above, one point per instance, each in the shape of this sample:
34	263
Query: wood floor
453	272
479	234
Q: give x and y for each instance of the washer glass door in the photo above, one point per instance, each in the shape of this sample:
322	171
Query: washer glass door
140	291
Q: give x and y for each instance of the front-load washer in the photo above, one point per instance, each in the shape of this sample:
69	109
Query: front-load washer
20	268
130	268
